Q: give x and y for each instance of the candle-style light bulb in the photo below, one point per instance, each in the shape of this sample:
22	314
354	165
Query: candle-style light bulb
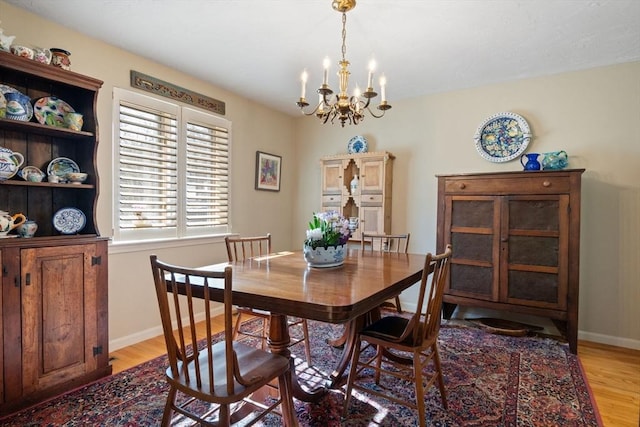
304	78
356	95
326	63
383	84
372	67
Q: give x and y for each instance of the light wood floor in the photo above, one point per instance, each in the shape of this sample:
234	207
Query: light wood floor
613	374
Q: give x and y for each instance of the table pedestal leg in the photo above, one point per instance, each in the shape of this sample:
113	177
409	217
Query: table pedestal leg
279	341
349	336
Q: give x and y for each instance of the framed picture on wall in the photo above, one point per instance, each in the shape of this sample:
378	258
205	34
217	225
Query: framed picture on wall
268	168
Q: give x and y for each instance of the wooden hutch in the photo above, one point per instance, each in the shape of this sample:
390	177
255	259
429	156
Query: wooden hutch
516	243
371	201
53	304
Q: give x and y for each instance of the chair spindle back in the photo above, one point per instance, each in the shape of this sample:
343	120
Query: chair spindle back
178	289
396	243
436	266
241	248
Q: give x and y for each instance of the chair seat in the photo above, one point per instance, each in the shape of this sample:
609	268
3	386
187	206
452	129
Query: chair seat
255	312
254	365
388	328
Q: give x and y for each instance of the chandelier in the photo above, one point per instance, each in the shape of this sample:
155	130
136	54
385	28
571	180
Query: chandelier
346	108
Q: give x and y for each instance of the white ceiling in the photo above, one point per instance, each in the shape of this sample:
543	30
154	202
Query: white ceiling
258	48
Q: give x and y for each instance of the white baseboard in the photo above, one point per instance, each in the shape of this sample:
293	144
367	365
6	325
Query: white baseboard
462	312
128	340
609	340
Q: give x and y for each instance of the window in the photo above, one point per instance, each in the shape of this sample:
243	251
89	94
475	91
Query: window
171	169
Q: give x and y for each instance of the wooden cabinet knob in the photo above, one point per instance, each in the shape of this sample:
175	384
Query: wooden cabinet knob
462	185
546	184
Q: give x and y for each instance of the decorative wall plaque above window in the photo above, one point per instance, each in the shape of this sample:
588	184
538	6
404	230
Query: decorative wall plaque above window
168	90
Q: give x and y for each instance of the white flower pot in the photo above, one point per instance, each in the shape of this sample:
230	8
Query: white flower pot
331	256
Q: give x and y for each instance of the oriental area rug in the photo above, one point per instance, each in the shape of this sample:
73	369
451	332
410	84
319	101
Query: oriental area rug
491	380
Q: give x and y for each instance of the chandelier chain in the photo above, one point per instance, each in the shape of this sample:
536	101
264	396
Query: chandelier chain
344	36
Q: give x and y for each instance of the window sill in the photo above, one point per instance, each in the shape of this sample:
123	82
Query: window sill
145	245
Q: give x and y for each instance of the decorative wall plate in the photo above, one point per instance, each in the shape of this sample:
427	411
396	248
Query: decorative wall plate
61	166
69	220
51	110
28	107
502	137
357	144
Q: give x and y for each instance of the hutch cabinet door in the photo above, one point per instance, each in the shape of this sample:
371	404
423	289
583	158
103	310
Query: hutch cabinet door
535	237
474	230
332	177
371	175
371	219
58	315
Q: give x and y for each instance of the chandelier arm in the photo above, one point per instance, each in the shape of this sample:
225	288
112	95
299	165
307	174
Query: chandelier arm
310	113
366	105
377	117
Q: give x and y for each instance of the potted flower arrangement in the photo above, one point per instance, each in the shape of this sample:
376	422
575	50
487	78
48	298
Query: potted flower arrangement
327	236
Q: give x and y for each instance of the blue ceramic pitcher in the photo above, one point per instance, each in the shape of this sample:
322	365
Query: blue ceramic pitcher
532	162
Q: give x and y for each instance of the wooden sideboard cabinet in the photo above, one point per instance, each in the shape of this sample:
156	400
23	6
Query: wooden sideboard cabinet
371	201
53	299
516	243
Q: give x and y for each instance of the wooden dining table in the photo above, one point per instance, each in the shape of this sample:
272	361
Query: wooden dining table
284	285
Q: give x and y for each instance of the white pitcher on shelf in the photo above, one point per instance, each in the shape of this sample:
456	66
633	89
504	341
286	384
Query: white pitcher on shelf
9	222
6	41
354	184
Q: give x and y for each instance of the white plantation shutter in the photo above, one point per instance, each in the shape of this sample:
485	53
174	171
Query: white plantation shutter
172	169
207	173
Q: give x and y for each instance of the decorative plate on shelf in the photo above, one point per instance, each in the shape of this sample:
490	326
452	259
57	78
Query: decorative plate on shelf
51	110
3	105
502	137
61	166
28	107
69	220
357	144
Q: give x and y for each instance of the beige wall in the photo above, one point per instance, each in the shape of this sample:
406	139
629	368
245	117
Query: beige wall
591	114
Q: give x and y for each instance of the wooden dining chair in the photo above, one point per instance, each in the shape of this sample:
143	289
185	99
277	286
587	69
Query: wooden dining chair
417	335
217	377
397	243
240	249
